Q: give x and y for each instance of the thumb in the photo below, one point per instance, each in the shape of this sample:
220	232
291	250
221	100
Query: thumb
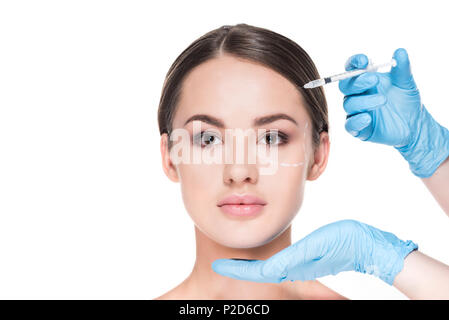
401	74
356	61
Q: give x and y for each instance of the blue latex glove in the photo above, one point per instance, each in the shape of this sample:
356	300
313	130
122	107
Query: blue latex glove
340	246
386	108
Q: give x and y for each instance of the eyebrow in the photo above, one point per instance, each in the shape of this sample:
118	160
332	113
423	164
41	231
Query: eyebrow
257	122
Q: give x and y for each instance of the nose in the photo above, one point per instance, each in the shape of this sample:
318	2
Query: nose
237	174
242	169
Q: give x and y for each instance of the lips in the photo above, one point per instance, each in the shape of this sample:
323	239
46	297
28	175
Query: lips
247	199
245	206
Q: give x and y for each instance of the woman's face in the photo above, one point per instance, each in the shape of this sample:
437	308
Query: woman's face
236	92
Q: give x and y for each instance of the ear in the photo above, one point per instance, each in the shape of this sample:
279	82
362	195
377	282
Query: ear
168	166
321	155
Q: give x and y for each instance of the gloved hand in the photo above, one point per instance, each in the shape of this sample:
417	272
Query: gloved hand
386	108
340	246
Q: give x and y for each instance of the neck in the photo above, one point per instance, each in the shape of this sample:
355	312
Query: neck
205	283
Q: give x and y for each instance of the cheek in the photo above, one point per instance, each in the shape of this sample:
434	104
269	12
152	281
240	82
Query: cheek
285	188
200	185
285	198
286	164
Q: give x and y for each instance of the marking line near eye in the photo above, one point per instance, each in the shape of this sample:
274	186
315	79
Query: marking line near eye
291	164
284	164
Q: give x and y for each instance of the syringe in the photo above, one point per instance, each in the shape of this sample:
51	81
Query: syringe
348	74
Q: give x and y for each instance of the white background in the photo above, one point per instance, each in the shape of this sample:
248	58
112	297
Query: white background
86	211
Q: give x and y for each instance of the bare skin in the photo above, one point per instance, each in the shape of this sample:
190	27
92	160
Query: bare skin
423	277
237	91
203	283
438	185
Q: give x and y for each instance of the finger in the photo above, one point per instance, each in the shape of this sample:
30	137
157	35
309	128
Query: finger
358	84
292	262
243	270
299	261
361	103
401	74
357	61
356	123
313	270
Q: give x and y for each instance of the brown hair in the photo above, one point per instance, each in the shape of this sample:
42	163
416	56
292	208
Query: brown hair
256	44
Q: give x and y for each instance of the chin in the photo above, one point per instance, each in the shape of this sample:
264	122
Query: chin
245	241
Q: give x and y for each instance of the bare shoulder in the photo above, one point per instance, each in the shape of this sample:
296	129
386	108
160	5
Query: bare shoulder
177	293
166	296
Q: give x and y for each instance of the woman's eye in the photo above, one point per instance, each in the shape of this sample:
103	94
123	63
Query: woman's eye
275	138
205	139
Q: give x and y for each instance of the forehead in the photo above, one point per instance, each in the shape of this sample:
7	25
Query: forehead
237	90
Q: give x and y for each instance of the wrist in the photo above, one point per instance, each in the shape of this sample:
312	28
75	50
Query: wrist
384	254
396	263
429	148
